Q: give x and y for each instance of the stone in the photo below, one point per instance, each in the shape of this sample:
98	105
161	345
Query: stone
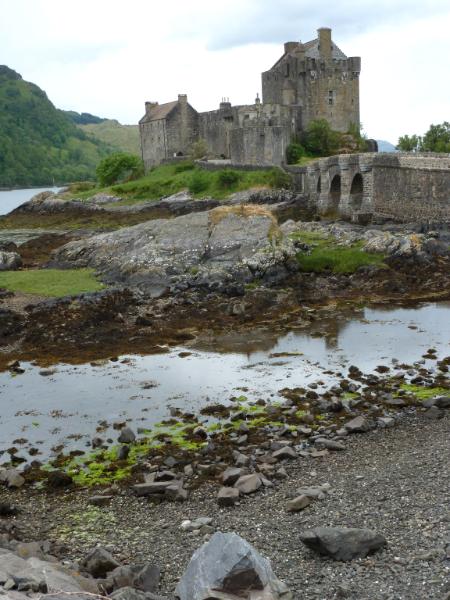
100	500
247	484
12	478
99	562
127	436
283	453
148	578
123	452
8	510
298	503
227	496
9	261
129	593
148	489
385	422
329	444
229	567
434	413
241	460
315	492
58	479
231	475
357	425
442	402
343	543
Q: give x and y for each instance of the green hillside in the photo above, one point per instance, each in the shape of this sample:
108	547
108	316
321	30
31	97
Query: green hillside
124	138
40	144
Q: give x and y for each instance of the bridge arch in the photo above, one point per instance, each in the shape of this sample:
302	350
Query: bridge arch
356	192
335	192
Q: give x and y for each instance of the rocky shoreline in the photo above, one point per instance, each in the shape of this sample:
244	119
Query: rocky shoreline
255	468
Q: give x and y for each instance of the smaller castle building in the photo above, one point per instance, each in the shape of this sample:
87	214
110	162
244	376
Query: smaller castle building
310	81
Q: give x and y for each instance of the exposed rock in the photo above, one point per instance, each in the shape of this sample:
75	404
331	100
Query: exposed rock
231	475
99	562
12	478
442	402
203	250
341	543
58	479
227	496
329	444
9	261
286	452
127	436
227	567
298	503
357	425
247	484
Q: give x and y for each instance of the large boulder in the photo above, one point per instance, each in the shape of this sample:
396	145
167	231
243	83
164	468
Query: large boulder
9	261
228	567
212	250
343	543
35	574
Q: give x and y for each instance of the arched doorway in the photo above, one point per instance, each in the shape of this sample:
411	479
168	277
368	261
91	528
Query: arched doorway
335	192
356	192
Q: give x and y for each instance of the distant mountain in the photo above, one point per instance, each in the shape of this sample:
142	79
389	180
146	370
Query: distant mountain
83	118
122	137
384	146
40	144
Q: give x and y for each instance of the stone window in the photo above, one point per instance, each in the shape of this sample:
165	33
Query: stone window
286	70
331	97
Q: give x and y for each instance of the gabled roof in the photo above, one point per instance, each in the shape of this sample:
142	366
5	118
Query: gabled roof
159	111
312	51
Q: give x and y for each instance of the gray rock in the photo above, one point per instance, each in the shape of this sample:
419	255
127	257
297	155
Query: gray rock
99	562
12	478
100	500
329	444
127	436
227	496
231	475
442	402
247	484
204	249
298	503
341	543
357	425
286	452
9	261
228	567
148	578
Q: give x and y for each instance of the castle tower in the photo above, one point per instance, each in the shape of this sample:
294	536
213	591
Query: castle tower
318	79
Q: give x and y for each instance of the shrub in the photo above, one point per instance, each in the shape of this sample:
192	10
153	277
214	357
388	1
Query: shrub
119	167
199	149
227	178
186	165
199	182
277	178
294	153
320	139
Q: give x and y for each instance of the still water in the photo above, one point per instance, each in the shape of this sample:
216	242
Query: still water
11	199
66	407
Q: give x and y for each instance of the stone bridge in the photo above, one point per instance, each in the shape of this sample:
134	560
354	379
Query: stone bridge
359	187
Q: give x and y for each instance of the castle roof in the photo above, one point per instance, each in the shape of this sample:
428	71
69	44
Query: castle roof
159	111
311	49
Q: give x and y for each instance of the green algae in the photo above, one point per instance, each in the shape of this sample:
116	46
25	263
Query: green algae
423	393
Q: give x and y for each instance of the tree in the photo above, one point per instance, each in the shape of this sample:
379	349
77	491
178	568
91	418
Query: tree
437	138
320	139
119	167
408	143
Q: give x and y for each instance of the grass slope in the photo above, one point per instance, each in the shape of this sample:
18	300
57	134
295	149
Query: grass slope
38	143
327	255
51	282
125	138
166	180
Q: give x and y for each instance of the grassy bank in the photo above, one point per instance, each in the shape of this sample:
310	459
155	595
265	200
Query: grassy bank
51	282
166	180
327	255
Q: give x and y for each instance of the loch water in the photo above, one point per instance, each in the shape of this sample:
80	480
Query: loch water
64	409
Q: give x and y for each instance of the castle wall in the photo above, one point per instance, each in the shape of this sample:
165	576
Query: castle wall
153	142
181	130
259	145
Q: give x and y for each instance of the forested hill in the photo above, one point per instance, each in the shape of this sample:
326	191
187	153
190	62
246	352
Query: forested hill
40	144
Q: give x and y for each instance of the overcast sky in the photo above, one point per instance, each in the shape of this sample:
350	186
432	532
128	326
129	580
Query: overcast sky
107	57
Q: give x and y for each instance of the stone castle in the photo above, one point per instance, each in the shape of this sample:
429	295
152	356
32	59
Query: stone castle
315	80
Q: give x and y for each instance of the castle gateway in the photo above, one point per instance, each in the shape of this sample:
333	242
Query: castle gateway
315	80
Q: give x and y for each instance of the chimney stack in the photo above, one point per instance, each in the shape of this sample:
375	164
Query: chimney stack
182	98
149	106
324	35
290	47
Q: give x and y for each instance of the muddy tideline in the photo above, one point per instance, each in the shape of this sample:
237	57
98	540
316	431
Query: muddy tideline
173	350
